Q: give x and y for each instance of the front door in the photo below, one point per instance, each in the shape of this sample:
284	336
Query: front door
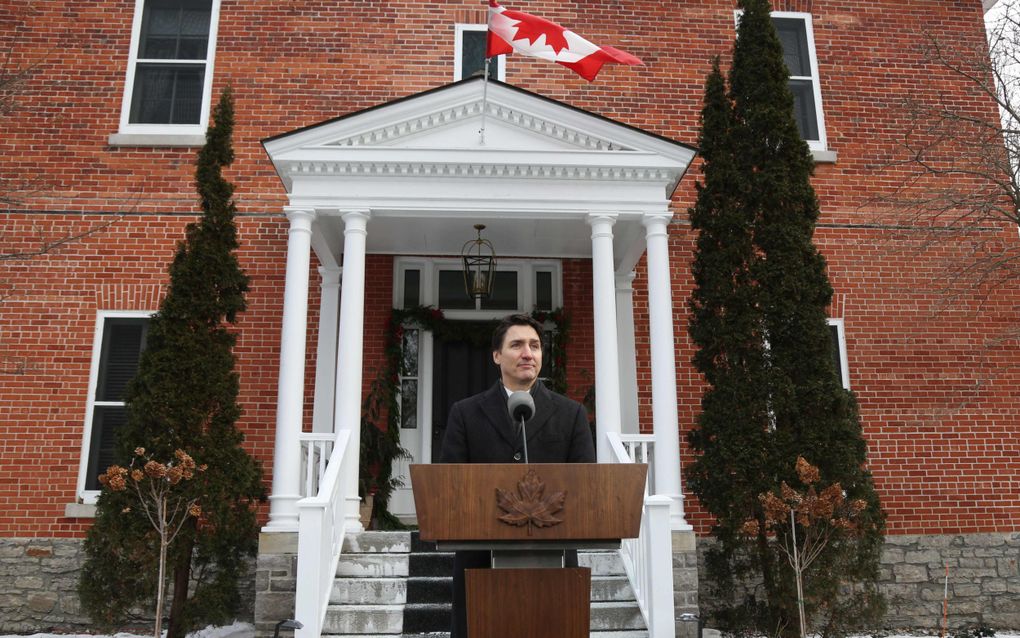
459	370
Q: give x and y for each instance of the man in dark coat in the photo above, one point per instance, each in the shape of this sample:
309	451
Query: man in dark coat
480	430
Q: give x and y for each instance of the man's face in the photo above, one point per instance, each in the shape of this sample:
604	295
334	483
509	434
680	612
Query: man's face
520	358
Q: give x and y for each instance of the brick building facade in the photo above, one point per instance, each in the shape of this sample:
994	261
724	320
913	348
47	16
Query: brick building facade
935	364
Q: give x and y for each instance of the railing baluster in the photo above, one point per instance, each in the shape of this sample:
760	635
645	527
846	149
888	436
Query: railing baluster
321	528
649	575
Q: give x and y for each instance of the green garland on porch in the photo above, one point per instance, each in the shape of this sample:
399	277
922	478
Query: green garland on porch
380	444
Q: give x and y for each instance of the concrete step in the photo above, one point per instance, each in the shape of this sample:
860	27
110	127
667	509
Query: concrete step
363	619
611	588
601	563
429	590
427	618
369	591
377	543
631	633
431	564
372	565
616	616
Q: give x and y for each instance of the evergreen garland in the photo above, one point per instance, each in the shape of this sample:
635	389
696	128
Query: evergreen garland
758	317
185	397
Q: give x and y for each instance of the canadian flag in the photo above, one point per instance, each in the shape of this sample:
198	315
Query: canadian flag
511	31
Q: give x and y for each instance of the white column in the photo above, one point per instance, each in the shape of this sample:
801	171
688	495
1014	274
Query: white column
626	349
663	355
607	360
325	351
349	354
283	516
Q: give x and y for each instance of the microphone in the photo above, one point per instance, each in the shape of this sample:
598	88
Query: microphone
521	407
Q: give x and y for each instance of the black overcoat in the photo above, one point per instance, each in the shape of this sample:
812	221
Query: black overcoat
479	430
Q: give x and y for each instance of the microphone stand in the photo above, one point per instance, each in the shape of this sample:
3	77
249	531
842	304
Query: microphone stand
524	439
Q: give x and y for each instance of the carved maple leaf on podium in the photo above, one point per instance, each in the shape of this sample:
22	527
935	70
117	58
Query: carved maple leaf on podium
528	506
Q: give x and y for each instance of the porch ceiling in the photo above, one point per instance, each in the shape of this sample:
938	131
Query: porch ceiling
512	236
421	168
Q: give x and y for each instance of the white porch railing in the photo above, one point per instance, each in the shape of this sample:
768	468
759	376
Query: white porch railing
315	450
648	559
320	538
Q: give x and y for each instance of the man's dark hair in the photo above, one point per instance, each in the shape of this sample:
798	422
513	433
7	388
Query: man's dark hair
513	320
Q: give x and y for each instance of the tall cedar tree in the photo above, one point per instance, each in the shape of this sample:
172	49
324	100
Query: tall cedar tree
759	321
185	396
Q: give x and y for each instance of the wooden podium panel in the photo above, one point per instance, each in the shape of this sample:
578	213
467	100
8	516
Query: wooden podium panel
528	603
599	501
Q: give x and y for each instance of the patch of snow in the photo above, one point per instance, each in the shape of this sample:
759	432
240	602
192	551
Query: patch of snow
236	630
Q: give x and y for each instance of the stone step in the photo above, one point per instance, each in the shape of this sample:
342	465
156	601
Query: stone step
369	591
629	633
377	543
372	565
363	619
601	563
611	588
607	620
427	618
429	589
616	616
431	564
418	545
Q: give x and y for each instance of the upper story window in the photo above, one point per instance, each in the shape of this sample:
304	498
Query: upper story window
120	340
469	53
797	37
169	76
798	40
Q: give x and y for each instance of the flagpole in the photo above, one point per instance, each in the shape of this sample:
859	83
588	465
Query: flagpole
485	93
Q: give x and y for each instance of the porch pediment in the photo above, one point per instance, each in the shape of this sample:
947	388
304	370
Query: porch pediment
423	157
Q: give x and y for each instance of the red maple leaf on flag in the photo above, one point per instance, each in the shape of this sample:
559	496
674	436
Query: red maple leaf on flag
532	28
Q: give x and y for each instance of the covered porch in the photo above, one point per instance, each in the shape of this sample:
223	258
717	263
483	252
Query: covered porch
411	177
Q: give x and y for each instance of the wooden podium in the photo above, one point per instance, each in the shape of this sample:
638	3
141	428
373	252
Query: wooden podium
527	516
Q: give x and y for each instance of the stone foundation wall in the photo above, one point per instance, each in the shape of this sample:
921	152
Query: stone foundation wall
275	581
39	587
685	582
984	580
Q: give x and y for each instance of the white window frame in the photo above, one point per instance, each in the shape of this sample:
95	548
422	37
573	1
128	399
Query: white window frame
844	371
458	48
89	497
428	281
820	146
165	134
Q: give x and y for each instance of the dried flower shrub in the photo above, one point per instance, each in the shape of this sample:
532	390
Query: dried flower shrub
811	519
166	507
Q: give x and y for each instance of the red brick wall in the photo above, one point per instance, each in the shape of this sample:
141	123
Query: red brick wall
935	374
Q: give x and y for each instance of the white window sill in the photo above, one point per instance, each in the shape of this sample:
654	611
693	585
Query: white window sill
823	157
79	510
155	139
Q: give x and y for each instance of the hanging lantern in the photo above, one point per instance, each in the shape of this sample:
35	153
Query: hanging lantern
479	265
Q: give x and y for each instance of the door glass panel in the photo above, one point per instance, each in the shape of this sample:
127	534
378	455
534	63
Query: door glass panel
409	404
409	366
